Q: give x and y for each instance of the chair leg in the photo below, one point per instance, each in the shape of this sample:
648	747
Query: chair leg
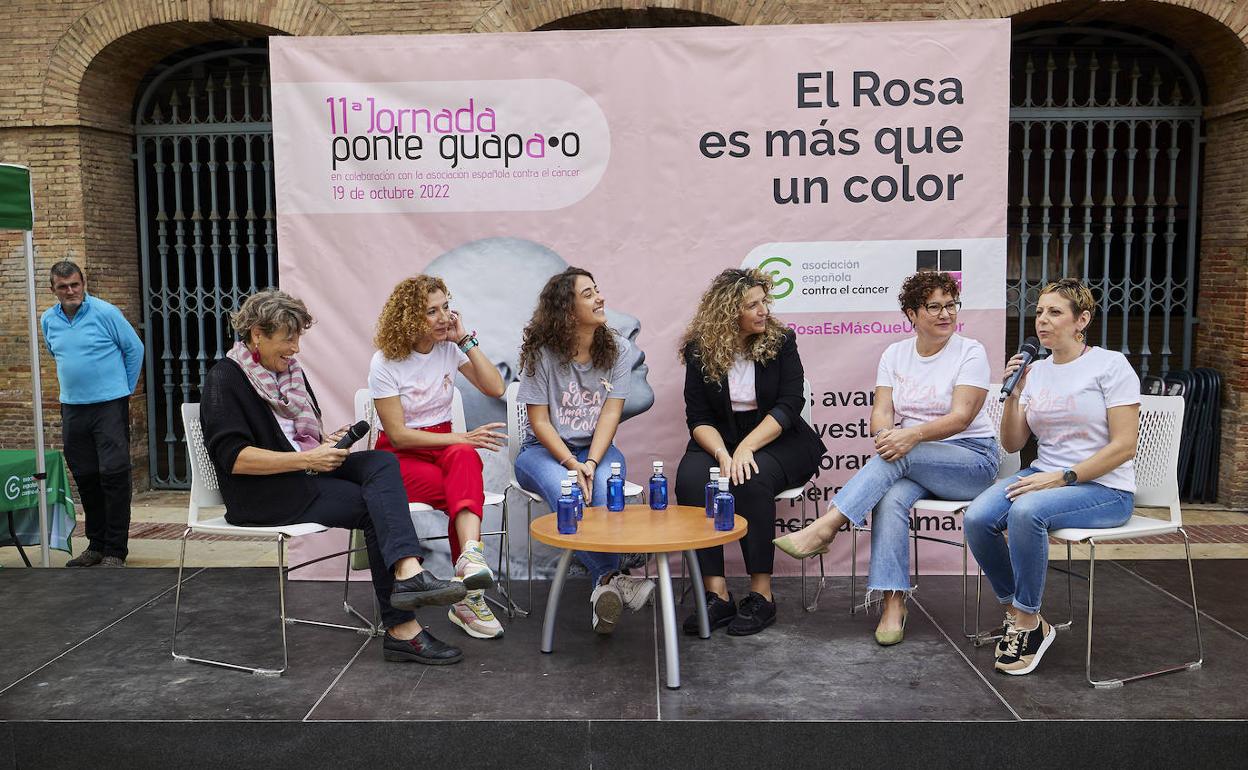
177	605
373	626
853	569
1070	590
529	539
1189	666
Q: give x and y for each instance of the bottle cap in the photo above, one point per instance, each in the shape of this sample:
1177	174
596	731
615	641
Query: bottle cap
658	465
571	474
714	473
723	484
615	467
566	485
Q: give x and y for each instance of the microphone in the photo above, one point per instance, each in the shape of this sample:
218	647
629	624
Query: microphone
1031	346
353	434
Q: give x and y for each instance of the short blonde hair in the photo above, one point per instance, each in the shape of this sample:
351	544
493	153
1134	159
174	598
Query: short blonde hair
271	310
1073	291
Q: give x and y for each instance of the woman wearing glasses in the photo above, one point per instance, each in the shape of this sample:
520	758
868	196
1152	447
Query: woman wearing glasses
933	438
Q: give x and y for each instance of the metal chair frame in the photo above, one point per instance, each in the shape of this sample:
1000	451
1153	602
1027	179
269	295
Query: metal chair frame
206	492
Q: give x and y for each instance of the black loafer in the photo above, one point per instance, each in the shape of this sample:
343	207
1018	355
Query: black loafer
753	615
425	589
719	613
423	648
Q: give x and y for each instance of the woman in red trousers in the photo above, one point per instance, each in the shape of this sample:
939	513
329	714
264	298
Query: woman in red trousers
421	343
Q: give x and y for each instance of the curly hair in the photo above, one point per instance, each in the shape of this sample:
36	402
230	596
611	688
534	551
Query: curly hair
715	327
553	326
402	321
920	286
1073	291
270	310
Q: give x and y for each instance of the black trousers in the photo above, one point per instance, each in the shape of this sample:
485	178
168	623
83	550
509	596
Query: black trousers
365	492
97	450
779	468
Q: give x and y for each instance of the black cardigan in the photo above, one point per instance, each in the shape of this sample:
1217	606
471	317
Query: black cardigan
778	389
235	417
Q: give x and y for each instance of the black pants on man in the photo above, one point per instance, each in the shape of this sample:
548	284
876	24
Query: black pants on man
97	450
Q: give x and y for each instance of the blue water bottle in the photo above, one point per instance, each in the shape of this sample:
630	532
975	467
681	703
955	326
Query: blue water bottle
658	488
615	489
712	489
565	509
724	507
577	495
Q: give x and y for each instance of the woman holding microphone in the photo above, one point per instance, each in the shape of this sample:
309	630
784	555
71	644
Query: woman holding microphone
1083	405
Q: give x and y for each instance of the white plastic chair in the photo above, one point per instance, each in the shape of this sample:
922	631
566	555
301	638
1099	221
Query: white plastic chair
1157	484
366	410
517	419
1009	465
205	493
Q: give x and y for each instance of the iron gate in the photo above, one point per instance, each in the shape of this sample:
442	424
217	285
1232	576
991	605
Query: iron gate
1105	143
207	233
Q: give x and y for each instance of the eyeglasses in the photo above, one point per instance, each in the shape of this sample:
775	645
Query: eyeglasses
933	308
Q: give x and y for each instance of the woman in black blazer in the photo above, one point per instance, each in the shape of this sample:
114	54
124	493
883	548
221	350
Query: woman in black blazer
743	404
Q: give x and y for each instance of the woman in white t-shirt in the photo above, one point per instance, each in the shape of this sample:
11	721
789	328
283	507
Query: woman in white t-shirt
1083	405
933	438
421	344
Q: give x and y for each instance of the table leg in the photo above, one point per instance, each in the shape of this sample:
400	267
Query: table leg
695	578
667	607
552	602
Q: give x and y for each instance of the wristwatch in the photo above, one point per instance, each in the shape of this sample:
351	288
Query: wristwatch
1070	477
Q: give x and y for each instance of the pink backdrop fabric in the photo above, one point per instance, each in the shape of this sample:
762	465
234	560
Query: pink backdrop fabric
626	191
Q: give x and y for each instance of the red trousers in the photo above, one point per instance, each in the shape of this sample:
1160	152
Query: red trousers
445	477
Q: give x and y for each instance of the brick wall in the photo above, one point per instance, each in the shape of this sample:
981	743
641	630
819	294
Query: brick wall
69	73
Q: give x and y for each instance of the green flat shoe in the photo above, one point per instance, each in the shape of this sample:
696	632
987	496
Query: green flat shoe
787	545
889	638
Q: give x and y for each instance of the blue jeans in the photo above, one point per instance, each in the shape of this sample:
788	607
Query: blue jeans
948	470
1016	570
539	471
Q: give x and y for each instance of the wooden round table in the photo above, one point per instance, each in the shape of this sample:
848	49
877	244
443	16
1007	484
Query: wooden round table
638	529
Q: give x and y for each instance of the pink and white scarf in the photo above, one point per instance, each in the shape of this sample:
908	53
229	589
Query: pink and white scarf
286	394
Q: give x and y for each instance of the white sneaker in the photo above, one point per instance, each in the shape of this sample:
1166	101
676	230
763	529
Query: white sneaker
472	567
635	591
607	605
473	615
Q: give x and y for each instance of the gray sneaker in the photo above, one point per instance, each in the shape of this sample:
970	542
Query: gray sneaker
87	558
112	561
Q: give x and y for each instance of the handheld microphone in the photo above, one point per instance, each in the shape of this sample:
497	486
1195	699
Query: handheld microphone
353	434
1031	346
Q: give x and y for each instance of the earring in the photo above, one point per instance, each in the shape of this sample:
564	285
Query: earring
1080	337
255	356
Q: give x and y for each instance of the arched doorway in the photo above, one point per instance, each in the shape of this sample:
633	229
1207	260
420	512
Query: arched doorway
1105	159
207	223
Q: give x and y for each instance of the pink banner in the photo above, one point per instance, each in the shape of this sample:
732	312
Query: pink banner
840	158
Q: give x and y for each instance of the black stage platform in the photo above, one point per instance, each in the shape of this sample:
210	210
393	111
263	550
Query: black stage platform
86	679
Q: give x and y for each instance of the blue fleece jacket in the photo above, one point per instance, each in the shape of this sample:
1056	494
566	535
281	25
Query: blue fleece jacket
98	354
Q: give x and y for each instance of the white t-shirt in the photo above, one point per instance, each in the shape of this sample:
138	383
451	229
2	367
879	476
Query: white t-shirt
1066	407
741	389
424	383
923	387
288	428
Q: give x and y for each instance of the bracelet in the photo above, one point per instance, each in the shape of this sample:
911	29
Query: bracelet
564	463
468	343
467	337
592	460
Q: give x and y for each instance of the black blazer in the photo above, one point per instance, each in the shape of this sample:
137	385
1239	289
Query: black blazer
778	387
234	417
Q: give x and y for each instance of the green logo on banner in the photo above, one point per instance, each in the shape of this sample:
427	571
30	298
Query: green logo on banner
782	287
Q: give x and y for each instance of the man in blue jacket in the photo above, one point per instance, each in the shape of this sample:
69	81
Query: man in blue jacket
98	359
